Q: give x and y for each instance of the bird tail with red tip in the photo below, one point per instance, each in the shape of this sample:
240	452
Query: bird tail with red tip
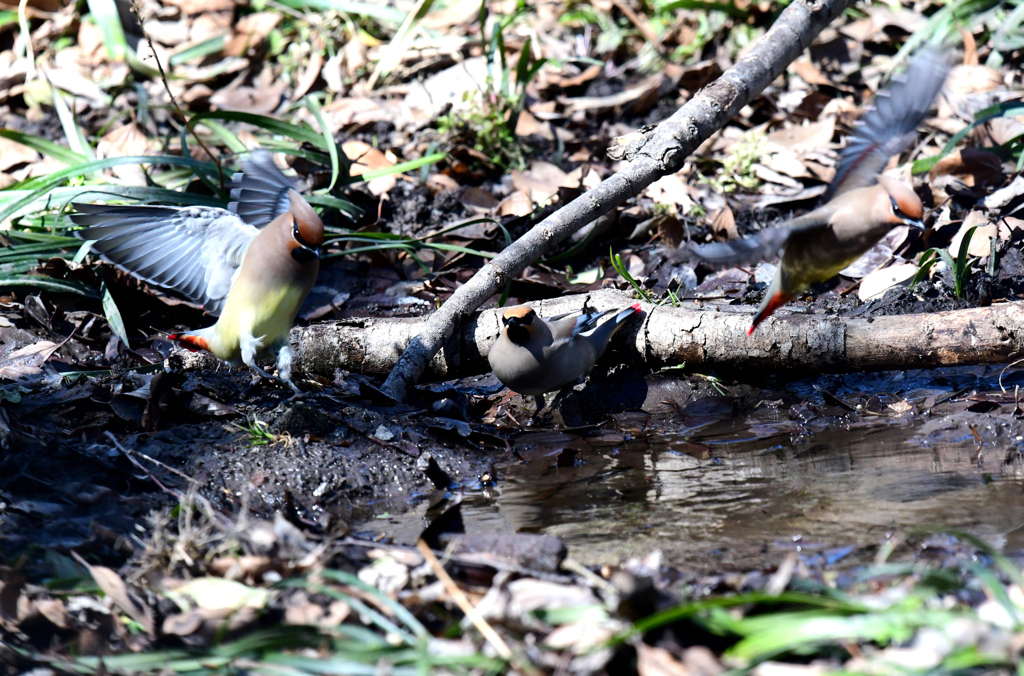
190	341
627	313
770	305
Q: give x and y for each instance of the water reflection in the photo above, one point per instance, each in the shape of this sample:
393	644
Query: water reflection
715	490
744	505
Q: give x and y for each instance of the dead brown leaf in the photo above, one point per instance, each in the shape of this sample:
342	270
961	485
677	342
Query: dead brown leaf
13	153
973	80
202	6
115	588
259	100
807	137
723	224
125	141
541	181
27	361
672	192
974	167
877	282
809	73
250	30
640	95
308	76
981	241
653	661
40	5
478	200
518	203
455	14
555	79
528	125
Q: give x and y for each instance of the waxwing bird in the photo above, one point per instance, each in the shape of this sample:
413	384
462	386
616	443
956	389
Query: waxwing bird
534	355
861	205
251	265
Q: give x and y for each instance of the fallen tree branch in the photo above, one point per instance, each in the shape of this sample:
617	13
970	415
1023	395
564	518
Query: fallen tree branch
661	152
704	340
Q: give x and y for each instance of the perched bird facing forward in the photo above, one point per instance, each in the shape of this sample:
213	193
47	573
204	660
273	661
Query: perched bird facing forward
534	355
252	265
861	205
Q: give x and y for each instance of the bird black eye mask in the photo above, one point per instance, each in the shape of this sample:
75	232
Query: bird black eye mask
304	253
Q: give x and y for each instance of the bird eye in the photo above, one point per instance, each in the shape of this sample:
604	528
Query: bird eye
895	207
295	233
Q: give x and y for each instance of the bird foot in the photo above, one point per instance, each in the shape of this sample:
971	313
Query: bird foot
296	392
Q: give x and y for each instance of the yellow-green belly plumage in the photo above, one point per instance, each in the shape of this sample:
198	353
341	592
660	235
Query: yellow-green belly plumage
265	313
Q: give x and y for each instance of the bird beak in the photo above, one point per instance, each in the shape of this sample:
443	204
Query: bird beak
914	224
306	254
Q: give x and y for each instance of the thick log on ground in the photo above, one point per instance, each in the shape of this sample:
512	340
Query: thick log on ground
704	340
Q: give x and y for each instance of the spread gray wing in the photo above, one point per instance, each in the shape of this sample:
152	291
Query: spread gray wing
742	251
891	125
259	192
752	249
195	251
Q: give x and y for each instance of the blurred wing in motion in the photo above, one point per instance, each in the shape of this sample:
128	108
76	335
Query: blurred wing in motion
742	251
891	124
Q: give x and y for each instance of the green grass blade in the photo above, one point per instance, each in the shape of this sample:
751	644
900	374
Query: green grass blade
44	184
399	44
48	284
928	259
1005	109
400	611
400	168
303	133
224	134
328	140
113	314
57	152
951	264
105	14
198	51
348	209
73	132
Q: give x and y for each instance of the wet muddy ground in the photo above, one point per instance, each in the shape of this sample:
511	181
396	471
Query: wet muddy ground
715	475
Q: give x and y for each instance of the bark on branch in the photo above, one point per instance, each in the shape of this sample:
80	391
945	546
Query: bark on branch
705	340
660	153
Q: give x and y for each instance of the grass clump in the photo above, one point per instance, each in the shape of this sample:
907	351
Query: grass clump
489	125
737	169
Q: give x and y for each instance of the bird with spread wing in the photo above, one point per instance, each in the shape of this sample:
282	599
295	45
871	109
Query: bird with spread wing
861	205
251	265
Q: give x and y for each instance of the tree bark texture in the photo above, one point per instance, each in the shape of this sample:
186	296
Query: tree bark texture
793	344
657	154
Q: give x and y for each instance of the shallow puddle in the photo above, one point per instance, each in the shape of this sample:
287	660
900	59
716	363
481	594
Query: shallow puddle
740	491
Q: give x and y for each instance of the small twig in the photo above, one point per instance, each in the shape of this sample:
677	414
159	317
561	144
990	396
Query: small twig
485	629
575	567
130	453
137	11
1005	368
640	24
